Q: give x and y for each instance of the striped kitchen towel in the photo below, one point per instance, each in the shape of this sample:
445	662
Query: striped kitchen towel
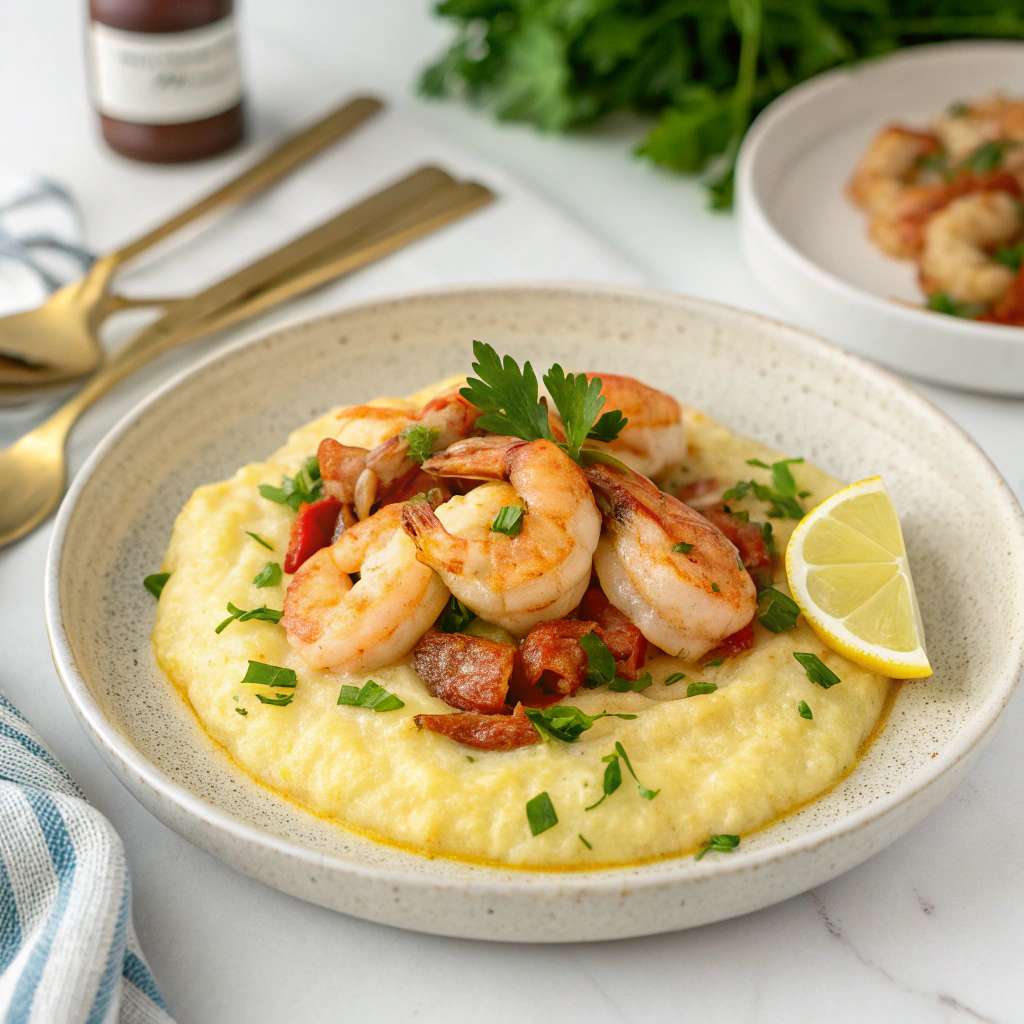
68	952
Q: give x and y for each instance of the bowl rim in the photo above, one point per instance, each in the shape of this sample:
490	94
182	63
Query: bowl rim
486	878
750	206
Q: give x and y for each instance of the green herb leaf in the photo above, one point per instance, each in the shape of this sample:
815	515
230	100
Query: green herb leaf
720	844
263	613
1010	256
608	427
507	395
682	548
154	583
455	617
804	709
540	813
612	779
600	663
268	576
471	759
372	695
781	496
714	663
584	842
508	521
565	723
817	671
421	441
261	674
619	685
695	689
776	611
259	540
305	487
674	678
988	156
941	302
241	711
647	794
281	700
579	402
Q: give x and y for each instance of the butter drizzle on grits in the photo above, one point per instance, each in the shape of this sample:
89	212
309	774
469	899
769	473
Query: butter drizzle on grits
731	761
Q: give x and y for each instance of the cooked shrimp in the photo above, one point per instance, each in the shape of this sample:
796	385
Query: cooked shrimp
964	128
654	438
686	602
359	477
889	167
955	259
515	582
354	627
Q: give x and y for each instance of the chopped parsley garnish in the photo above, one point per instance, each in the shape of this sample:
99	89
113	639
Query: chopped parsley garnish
508	521
540	813
471	759
647	794
936	162
280	700
716	588
714	663
154	583
306	486
455	617
941	302
988	156
509	398
817	671
776	611
695	689
241	711
1010	256
740	565
263	613
262	674
804	709
372	695
259	540
421	441
674	678
612	779
720	844
600	663
584	841
268	576
781	495
608	427
682	548
564	722
958	109
620	685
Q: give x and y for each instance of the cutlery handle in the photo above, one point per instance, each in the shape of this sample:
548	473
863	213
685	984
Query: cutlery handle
272	168
435	210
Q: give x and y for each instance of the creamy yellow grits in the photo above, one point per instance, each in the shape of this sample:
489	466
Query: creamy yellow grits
730	761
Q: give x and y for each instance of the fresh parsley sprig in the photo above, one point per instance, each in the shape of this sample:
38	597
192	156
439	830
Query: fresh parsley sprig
781	495
720	844
263	613
371	695
421	441
305	487
564	722
613	776
510	400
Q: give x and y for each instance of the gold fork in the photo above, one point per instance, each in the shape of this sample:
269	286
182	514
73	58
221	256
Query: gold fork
58	341
32	470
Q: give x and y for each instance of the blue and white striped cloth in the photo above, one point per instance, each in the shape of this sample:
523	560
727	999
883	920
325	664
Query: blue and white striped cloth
68	952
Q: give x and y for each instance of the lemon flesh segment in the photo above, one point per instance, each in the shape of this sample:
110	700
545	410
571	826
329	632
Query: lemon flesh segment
848	571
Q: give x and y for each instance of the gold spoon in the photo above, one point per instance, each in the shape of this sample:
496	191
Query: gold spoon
32	470
58	341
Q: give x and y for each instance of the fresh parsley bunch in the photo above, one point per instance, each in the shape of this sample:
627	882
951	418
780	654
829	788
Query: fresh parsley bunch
703	67
510	400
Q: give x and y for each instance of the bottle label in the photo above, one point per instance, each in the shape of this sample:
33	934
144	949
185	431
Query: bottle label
166	77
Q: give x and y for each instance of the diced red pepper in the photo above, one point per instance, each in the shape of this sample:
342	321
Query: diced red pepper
741	640
749	541
312	530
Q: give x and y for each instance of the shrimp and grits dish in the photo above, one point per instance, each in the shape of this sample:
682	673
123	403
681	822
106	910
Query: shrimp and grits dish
950	198
555	628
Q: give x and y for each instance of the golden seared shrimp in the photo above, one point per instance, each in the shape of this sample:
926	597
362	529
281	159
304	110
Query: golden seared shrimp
542	572
955	257
965	127
889	167
358	477
355	627
687	600
654	438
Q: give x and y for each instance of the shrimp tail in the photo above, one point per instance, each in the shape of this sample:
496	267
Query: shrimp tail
475	458
436	546
340	467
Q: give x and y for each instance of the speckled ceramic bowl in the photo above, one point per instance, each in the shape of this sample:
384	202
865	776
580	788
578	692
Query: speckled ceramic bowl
963	528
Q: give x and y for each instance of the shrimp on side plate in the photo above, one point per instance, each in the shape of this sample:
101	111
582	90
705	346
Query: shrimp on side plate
669	570
354	627
542	571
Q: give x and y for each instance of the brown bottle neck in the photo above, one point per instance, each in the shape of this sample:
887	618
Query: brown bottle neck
159	15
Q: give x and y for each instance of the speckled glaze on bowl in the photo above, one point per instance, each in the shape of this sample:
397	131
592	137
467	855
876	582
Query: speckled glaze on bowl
761	378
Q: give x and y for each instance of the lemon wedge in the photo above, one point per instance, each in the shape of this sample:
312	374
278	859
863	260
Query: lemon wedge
848	571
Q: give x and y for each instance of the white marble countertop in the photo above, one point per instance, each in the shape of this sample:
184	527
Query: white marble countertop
929	930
